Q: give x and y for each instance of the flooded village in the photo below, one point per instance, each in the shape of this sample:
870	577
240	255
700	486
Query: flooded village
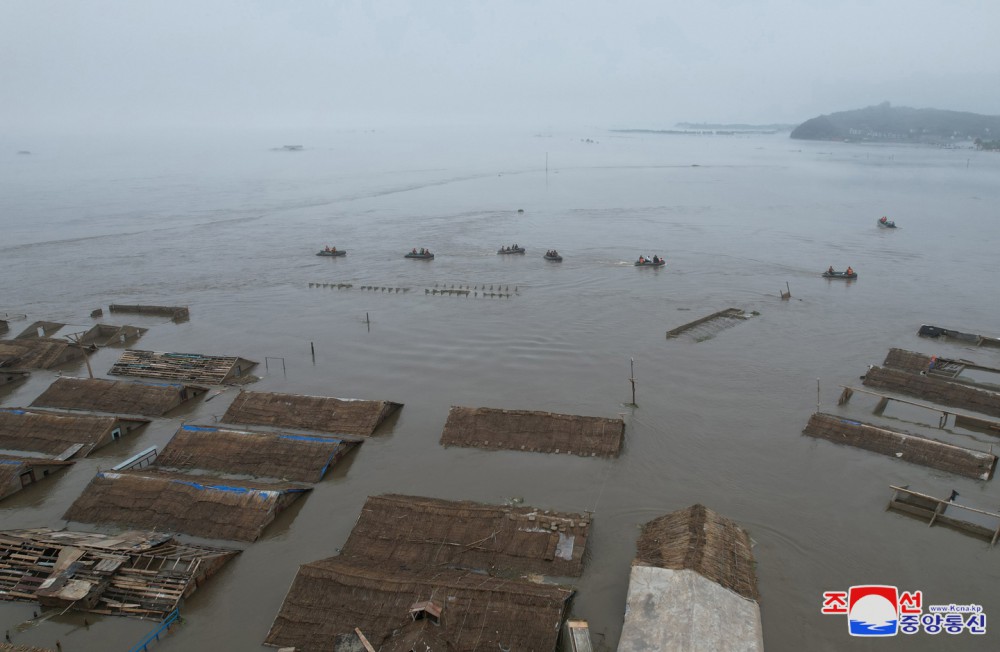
495	452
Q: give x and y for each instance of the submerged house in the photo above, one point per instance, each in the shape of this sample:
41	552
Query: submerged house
511	539
417	571
935	389
61	435
118	396
18	472
203	506
110	334
40	329
294	457
182	367
38	353
320	413
524	430
902	445
692	587
137	574
330	598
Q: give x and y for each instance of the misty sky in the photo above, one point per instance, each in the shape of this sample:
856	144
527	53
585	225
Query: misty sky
68	64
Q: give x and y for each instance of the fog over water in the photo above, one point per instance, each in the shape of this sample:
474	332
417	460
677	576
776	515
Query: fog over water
229	228
141	161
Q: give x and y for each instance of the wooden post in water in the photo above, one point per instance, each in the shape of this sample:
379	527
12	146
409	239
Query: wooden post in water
632	380
817	394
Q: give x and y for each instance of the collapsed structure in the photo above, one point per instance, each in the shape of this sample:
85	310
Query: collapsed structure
138	574
182	367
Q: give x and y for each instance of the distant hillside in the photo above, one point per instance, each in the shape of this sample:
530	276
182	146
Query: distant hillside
777	126
888	123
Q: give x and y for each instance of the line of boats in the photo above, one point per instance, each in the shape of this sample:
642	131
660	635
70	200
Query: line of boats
550	255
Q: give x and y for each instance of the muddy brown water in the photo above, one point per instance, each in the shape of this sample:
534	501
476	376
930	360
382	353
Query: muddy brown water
230	229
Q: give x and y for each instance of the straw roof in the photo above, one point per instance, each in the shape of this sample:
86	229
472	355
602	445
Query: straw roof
198	505
108	334
698	539
934	389
11	647
37	353
320	413
12	467
126	397
426	532
261	454
544	432
53	434
140	574
479	613
181	367
902	445
47	327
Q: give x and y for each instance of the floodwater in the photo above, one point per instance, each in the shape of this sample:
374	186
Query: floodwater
230	228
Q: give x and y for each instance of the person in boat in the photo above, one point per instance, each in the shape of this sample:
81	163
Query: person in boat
830	271
326	248
421	251
884	219
642	259
333	249
414	250
656	259
849	270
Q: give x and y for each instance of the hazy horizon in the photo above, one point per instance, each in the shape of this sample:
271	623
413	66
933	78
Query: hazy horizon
107	66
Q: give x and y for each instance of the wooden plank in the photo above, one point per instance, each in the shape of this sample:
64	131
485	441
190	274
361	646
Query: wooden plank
364	641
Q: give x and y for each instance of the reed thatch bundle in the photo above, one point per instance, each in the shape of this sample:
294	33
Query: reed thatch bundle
698	539
902	445
319	413
479	613
259	454
425	532
196	505
50	433
37	353
525	430
935	390
123	397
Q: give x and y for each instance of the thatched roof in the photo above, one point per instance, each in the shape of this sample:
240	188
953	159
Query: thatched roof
12	467
426	532
533	431
53	434
181	367
48	329
37	353
11	647
300	458
124	397
192	504
698	539
136	574
935	390
320	413
902	445
110	334
479	613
